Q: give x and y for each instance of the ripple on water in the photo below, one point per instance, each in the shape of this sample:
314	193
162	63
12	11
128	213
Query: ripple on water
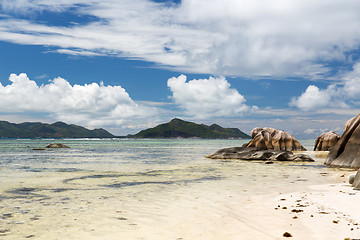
129	184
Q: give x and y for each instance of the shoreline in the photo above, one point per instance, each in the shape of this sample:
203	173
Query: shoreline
204	199
329	211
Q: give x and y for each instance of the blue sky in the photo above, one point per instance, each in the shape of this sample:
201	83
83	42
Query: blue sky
128	65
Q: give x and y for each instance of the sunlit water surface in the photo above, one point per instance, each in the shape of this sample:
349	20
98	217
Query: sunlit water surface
133	189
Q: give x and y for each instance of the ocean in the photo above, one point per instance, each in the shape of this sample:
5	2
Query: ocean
137	188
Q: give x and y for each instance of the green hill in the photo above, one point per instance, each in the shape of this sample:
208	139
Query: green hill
44	130
178	128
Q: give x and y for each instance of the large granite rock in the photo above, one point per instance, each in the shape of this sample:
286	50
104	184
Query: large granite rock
251	153
346	152
270	138
326	141
354	180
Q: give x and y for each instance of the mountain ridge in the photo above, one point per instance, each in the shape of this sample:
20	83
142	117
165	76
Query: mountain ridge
45	130
178	128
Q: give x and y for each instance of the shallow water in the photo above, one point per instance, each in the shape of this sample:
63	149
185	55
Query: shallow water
135	189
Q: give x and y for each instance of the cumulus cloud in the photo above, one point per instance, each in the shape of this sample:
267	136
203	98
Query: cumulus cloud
344	94
204	98
92	105
221	37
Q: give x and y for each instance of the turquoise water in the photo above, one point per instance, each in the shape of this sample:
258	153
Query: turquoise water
99	189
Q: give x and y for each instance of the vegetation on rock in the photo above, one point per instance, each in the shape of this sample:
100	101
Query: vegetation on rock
178	128
44	130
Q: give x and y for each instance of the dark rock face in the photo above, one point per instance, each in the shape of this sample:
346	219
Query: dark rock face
250	153
346	152
355	181
270	138
57	145
326	141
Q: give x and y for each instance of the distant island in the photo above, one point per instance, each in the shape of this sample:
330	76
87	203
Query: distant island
178	128
44	130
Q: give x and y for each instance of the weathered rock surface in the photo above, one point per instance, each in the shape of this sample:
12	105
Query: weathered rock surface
326	141
355	181
57	145
270	138
39	149
251	153
346	152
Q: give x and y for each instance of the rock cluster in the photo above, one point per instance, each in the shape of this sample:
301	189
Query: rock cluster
270	138
346	152
251	153
326	141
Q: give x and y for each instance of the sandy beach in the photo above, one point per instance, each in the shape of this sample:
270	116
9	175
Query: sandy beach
329	211
92	195
320	212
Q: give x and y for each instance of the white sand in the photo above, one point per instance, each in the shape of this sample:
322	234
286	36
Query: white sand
326	212
201	211
210	210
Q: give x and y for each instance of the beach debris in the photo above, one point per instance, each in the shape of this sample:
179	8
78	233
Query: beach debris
286	234
254	154
57	145
326	141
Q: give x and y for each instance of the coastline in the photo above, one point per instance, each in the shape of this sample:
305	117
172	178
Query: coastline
322	212
328	211
95	194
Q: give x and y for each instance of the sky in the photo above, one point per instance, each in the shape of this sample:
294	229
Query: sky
122	65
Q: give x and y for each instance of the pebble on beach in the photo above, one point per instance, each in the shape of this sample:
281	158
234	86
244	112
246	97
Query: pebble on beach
286	234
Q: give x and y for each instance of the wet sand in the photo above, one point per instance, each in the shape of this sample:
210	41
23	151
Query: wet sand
199	211
202	199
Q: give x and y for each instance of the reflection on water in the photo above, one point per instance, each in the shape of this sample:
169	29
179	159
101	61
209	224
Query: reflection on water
132	189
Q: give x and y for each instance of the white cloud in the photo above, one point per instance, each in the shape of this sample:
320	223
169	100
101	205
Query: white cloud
222	37
344	94
320	131
352	82
77	52
314	98
205	98
91	105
